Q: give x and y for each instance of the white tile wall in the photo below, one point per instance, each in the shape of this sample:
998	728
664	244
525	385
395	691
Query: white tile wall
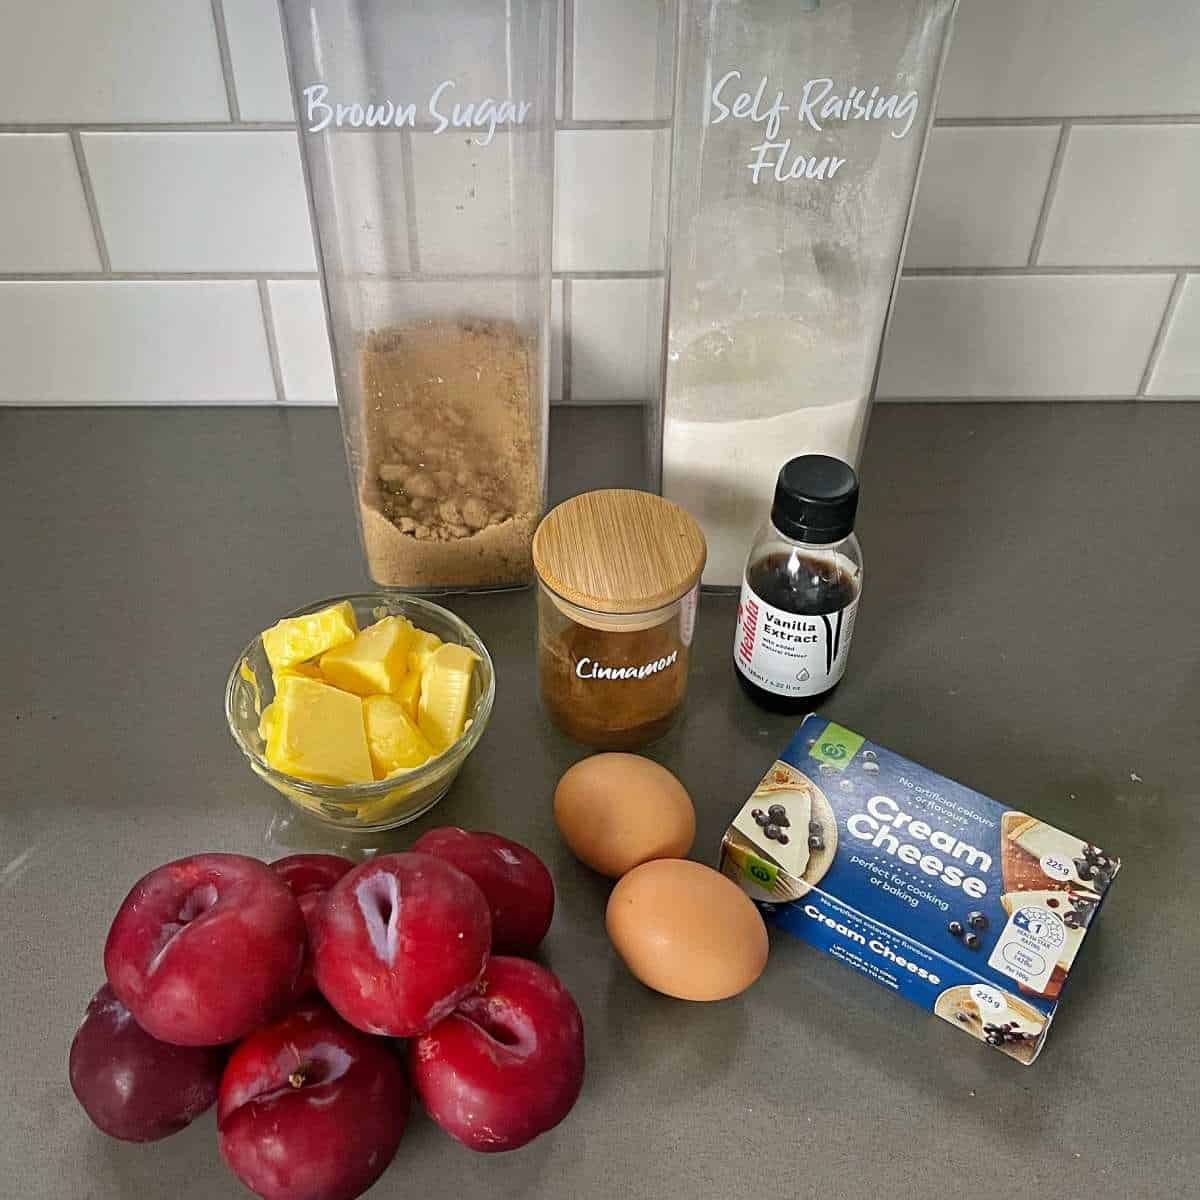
166	201
1128	195
119	60
1177	371
305	364
614	354
1070	58
1055	248
980	196
260	76
1039	336
44	222
133	343
622	60
605	178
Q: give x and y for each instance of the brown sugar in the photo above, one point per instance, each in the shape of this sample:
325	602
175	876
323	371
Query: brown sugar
450	490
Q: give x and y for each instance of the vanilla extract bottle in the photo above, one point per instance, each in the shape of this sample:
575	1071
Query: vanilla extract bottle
800	588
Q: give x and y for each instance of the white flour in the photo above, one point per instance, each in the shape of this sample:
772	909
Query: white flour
723	471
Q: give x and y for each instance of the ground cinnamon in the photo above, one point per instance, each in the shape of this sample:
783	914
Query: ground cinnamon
612	689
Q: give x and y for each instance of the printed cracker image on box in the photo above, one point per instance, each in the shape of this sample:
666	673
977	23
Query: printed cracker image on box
971	909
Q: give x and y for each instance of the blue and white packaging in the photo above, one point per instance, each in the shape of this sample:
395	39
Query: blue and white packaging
973	910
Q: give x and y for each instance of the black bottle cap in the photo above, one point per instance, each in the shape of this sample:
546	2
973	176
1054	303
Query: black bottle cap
816	498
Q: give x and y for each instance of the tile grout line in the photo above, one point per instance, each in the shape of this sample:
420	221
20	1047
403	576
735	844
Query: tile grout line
1107	398
1056	165
150	127
410	200
89	199
222	31
1160	337
568	64
1044	271
110	276
1074	119
613	126
565	392
565	124
1012	272
646	274
268	317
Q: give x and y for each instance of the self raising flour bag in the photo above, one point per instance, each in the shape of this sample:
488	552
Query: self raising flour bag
973	910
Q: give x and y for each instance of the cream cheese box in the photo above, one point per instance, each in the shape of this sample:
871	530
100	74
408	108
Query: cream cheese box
971	909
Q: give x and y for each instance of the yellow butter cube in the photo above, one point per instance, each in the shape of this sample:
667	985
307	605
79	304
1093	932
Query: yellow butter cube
376	661
318	733
393	739
409	692
297	639
307	669
421	651
446	689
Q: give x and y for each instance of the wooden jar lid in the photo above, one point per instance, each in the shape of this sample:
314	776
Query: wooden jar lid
619	551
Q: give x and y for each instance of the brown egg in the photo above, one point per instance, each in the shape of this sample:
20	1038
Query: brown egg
687	931
618	810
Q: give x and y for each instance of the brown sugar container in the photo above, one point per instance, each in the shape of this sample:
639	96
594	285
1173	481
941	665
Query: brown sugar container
618	584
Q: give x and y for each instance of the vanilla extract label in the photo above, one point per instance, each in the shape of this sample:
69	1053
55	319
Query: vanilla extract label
790	654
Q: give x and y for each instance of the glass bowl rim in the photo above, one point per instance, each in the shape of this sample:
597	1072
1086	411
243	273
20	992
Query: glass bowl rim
354	793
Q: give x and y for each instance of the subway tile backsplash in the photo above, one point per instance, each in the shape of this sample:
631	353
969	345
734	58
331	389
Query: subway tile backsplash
1127	196
1177	370
116	61
614	351
622	60
980	196
155	244
133	342
605	184
1022	335
258	60
298	323
45	224
201	201
1073	58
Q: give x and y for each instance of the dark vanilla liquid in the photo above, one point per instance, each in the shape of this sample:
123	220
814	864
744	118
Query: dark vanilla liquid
807	586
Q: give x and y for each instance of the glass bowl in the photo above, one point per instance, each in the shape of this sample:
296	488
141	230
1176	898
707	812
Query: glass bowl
384	803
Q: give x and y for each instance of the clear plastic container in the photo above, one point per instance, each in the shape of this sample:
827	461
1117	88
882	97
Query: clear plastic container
800	126
428	144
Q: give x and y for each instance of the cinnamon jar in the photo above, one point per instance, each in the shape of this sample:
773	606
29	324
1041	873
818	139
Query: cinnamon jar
618	585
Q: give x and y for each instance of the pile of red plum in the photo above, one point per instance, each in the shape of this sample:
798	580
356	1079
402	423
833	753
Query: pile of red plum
308	998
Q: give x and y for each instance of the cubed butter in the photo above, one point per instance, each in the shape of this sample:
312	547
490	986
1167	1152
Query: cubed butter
296	639
308	669
409	692
421	651
446	687
376	661
394	741
318	733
